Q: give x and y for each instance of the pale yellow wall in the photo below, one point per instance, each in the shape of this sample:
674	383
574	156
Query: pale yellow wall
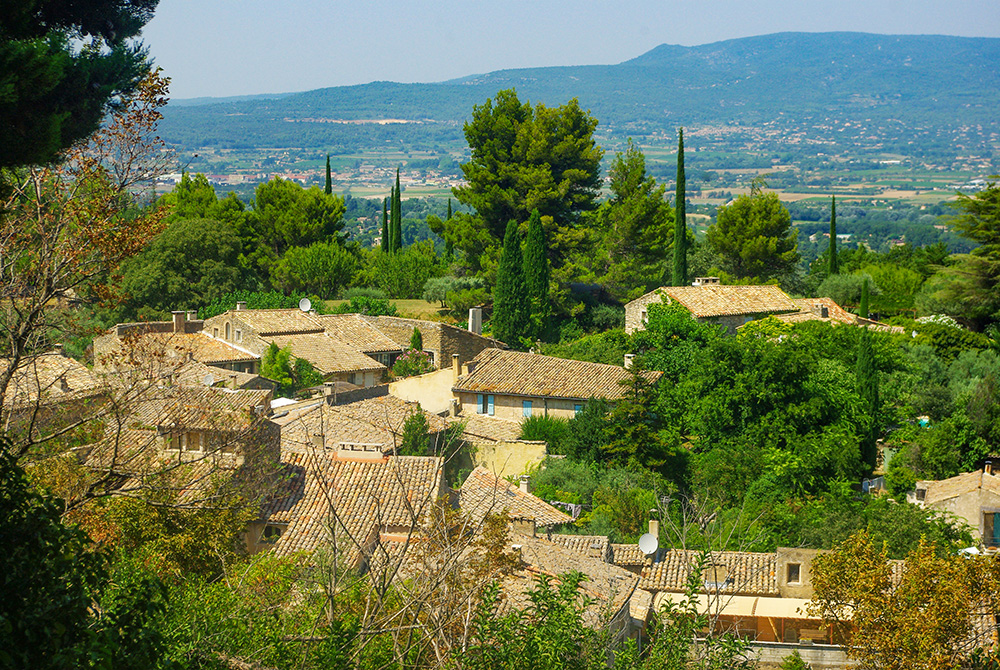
506	459
510	407
431	390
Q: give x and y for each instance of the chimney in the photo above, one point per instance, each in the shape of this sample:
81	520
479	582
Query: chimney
317	440
456	367
525	480
240	305
178	321
476	320
988	467
654	523
192	315
628	361
821	310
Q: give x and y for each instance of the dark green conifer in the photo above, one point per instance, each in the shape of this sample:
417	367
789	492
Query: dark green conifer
679	274
397	217
834	261
328	189
536	271
867	378
385	225
416	340
863	307
449	210
511	313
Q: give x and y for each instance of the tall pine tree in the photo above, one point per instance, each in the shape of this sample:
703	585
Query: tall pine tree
386	242
863	307
536	272
834	261
328	189
679	275
511	315
866	373
397	217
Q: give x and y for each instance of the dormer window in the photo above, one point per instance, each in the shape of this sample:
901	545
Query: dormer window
794	573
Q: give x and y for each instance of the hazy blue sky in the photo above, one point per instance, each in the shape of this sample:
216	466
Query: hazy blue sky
237	47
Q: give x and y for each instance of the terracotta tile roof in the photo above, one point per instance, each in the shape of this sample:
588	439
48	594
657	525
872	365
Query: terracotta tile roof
713	300
506	372
628	554
375	422
199	408
355	331
488	427
50	378
965	483
193	373
746	573
809	310
483	493
356	499
611	587
266	322
595	546
327	354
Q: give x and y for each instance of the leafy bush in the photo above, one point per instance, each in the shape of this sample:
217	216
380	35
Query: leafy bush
846	289
549	429
322	268
608	347
438	289
463	300
365	292
364	305
605	317
259	300
412	363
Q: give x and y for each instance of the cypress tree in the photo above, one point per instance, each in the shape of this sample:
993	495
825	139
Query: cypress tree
863	307
328	189
679	275
385	225
834	261
510	296
449	210
536	271
397	222
449	246
417	340
867	377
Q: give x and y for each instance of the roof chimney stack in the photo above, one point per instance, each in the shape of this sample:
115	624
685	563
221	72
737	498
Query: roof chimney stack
654	523
241	305
988	467
525	479
179	321
476	320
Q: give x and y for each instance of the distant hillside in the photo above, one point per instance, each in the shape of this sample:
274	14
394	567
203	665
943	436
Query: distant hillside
913	80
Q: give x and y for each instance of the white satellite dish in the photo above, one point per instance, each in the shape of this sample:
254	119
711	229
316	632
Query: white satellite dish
305	304
648	544
208	380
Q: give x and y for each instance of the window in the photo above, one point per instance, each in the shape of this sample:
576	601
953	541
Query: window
794	573
270	534
526	408
239	335
229	332
644	317
484	404
577	409
991	531
921	494
215	332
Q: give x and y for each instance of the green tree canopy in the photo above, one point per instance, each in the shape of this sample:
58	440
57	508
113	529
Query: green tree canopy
190	264
754	237
635	224
323	269
526	158
285	215
511	311
63	66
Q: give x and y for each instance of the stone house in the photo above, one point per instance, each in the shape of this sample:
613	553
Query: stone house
303	333
516	385
711	302
441	340
973	497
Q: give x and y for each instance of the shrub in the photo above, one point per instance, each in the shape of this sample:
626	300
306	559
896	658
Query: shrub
552	431
259	300
364	305
412	363
365	292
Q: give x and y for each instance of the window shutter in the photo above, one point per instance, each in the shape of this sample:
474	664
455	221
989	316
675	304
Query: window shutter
490	400
480	404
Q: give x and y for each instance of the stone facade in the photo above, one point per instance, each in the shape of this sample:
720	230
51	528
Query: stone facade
512	407
441	340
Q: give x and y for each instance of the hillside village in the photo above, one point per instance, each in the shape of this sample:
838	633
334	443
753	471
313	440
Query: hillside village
567	421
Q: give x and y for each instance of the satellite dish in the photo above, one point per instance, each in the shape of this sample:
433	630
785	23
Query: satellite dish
305	304
648	544
208	380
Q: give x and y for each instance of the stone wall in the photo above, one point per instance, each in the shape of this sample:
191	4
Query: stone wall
507	458
635	311
431	390
512	407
